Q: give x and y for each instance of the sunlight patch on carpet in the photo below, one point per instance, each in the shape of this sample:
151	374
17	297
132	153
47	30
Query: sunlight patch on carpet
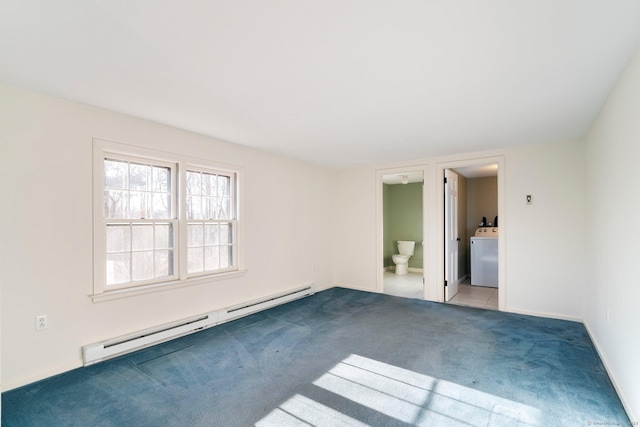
301	411
402	394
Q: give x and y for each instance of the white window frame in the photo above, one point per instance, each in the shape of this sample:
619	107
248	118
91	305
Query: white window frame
232	221
179	164
173	220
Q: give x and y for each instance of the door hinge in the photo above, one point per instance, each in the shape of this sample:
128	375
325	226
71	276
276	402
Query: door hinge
445	283
445	180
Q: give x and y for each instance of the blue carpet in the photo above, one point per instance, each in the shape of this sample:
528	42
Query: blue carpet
341	358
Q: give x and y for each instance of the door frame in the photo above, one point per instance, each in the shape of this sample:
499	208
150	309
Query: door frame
451	262
439	265
424	168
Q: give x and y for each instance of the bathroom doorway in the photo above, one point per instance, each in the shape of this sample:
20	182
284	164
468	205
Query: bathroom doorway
471	201
401	266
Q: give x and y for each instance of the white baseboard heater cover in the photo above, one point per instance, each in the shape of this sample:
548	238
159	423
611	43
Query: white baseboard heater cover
250	307
94	353
98	352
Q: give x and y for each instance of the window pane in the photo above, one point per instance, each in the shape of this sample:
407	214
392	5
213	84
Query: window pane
194	235
225	256
118	268
161	179
194	260
198	208
161	206
142	237
225	209
164	264
118	238
194	207
115	204
163	236
210	184
142	265
194	183
211	207
138	205
211	258
224	183
225	234
116	174
139	177
211	234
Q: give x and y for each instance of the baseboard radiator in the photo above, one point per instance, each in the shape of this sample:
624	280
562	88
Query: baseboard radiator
98	352
250	307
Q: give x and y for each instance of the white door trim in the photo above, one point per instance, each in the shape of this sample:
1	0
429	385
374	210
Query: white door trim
451	240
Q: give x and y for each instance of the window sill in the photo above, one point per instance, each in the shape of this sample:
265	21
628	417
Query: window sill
158	287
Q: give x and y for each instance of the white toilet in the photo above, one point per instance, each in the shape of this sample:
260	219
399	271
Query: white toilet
402	260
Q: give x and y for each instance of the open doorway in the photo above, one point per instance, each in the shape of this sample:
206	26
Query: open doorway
471	235
402	233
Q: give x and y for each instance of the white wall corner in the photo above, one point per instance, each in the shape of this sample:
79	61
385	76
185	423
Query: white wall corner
612	376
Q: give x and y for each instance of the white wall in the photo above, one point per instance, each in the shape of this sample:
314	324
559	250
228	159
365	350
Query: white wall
612	203
355	228
544	241
46	220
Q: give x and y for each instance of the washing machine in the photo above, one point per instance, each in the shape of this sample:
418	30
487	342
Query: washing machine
484	257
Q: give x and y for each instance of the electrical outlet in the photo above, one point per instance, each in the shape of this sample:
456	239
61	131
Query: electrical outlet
41	322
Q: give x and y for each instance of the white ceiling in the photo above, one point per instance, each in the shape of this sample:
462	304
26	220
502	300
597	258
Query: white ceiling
479	171
334	82
396	178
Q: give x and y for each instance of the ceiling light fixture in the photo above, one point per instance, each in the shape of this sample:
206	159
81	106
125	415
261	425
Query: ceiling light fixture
405	179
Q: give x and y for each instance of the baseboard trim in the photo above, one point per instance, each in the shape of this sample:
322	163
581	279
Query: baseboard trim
392	268
632	417
544	314
354	287
324	287
53	371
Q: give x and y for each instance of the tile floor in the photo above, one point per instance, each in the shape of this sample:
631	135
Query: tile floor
476	296
410	286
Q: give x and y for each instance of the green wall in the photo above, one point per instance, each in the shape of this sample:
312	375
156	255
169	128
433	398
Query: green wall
402	210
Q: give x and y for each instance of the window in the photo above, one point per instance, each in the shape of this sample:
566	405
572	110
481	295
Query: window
139	223
162	219
210	222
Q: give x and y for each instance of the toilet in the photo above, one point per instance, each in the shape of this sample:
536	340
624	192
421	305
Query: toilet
402	260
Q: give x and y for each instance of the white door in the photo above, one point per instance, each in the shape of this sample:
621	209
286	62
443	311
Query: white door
450	234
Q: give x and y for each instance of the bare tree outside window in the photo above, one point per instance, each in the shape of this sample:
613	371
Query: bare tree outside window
162	219
210	222
137	198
